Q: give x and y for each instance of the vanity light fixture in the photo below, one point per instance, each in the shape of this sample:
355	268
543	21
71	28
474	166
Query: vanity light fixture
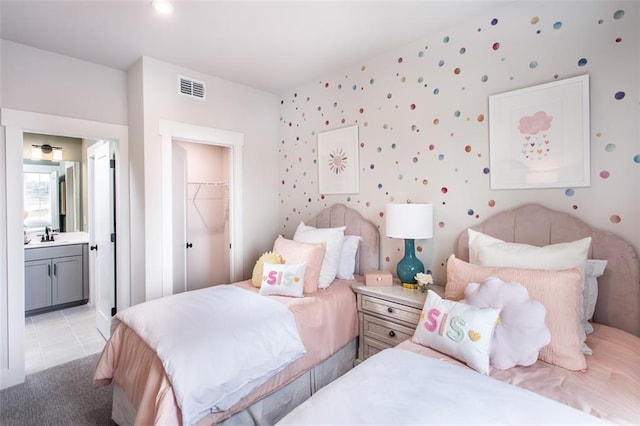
37	152
163	7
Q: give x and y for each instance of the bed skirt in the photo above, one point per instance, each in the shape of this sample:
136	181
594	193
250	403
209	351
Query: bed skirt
272	408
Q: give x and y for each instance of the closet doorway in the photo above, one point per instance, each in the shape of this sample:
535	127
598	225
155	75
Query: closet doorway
201	215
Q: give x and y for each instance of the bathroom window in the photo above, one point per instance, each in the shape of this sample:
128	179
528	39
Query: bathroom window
40	198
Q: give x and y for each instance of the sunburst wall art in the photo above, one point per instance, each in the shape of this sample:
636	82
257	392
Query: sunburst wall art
338	170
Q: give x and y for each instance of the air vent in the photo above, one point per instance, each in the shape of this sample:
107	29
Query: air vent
190	87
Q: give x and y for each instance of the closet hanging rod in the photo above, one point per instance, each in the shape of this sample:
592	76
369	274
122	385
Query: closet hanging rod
211	183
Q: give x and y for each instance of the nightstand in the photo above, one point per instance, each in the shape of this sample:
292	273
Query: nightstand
387	316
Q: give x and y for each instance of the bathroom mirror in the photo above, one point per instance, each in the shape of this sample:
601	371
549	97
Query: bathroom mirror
52	187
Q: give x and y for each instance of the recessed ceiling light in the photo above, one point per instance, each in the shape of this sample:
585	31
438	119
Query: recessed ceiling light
163	7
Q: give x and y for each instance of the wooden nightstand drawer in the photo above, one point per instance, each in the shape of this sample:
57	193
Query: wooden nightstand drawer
391	310
388	332
372	347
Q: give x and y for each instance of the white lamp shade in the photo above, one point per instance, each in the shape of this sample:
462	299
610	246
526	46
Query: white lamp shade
409	221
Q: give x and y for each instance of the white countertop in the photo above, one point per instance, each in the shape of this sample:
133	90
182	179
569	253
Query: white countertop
61	239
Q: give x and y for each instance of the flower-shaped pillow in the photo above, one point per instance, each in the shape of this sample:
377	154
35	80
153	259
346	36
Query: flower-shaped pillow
521	330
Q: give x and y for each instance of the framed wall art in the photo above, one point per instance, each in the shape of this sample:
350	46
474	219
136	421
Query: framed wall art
338	169
539	136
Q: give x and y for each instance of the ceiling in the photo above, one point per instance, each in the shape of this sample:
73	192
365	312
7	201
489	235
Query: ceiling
269	45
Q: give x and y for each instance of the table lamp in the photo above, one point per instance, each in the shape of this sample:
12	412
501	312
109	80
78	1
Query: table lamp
411	222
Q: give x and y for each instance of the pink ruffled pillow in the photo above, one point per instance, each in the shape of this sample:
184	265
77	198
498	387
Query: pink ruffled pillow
521	330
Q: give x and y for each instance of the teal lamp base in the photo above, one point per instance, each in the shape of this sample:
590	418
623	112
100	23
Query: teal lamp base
409	265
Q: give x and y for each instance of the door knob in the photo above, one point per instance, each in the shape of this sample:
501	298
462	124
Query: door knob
189	245
95	247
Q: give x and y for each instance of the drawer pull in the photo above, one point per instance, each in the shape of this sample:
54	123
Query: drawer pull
390	310
391	332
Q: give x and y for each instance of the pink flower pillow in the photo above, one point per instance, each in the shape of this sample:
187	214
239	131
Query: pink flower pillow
521	330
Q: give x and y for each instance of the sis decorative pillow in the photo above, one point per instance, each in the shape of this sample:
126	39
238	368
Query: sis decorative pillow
309	254
457	329
283	279
256	276
334	238
558	291
521	331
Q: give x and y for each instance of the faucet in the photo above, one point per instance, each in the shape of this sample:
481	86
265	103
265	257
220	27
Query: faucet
48	234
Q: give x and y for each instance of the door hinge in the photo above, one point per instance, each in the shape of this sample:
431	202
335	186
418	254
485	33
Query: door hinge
114	311
112	163
113	237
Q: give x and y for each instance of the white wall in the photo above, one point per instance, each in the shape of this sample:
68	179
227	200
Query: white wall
40	81
228	106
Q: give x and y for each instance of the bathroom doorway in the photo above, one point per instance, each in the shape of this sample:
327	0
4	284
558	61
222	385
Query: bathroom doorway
201	212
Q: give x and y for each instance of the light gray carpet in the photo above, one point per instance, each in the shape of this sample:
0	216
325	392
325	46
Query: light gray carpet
61	395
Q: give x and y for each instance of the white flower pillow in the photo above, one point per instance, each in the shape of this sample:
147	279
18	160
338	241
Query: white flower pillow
457	329
334	238
283	279
521	330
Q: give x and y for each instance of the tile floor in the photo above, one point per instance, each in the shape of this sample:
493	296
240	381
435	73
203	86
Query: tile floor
60	336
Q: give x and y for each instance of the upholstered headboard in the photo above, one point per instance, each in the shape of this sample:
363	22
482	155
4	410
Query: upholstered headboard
618	289
368	256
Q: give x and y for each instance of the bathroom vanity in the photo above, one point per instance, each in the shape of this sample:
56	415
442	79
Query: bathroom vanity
56	273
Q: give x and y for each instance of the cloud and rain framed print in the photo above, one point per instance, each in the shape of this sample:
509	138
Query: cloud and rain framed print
539	136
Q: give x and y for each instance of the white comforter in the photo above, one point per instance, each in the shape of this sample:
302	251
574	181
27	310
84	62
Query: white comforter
402	387
216	344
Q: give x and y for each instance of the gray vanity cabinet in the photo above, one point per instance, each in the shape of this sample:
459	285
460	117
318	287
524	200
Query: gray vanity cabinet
55	277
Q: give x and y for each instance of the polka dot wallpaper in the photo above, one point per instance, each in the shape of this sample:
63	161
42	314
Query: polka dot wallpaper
422	114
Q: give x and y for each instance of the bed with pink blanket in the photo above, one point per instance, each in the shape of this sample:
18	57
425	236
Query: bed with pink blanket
569	379
149	387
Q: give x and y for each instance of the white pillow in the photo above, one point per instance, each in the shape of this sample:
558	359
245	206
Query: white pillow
457	329
485	250
347	265
334	238
594	269
283	279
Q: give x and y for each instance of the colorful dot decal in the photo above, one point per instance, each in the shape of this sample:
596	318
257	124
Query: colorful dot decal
392	103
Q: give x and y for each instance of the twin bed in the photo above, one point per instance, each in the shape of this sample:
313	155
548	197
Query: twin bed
414	383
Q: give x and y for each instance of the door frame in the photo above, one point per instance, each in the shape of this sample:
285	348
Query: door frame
15	124
170	130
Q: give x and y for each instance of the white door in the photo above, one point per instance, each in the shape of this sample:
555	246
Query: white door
101	229
179	192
